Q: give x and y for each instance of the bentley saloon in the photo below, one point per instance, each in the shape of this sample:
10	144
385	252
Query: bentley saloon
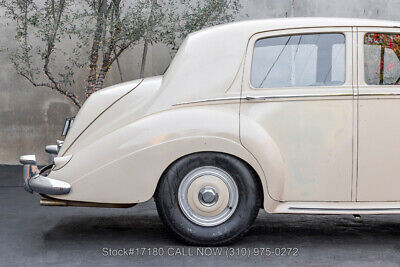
296	115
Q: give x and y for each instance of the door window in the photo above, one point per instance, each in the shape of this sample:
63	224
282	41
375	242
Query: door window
299	60
382	58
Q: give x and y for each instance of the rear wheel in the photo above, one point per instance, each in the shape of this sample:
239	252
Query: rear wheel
208	198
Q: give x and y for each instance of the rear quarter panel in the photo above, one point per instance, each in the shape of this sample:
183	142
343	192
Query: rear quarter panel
125	165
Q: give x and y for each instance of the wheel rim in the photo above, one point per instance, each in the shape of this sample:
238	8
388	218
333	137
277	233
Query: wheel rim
208	196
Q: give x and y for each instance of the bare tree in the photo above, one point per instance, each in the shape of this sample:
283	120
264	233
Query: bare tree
98	32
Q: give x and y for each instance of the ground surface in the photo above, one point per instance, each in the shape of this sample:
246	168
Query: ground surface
56	236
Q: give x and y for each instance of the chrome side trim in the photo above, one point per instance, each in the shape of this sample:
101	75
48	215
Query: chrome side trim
344	209
209	100
248	98
378	94
71	203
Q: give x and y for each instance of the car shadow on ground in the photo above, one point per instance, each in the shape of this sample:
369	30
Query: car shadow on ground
268	229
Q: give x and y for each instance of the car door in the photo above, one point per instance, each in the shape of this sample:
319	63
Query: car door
297	112
379	114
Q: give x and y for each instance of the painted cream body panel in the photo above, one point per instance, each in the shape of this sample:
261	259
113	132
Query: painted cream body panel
134	178
379	150
124	166
304	146
95	106
298	140
129	108
302	137
378	135
120	169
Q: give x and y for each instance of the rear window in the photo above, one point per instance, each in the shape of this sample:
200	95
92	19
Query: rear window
299	60
382	58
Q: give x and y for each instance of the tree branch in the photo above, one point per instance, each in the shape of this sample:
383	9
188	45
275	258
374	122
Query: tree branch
70	95
147	38
94	53
110	48
50	48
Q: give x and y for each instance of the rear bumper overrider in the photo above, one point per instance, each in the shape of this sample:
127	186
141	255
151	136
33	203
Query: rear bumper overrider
35	182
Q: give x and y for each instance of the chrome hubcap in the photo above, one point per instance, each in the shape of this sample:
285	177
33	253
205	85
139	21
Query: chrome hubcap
208	196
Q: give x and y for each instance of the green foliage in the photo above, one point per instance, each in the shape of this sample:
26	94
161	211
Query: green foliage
56	38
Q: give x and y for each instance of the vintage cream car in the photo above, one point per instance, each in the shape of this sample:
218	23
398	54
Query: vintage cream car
294	115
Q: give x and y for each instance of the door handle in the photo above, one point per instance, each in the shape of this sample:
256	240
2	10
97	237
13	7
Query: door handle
255	98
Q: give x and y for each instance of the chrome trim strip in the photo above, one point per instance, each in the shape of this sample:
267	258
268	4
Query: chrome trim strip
209	100
378	94
248	98
344	209
48	201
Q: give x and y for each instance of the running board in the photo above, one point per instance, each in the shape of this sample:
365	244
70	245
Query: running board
338	207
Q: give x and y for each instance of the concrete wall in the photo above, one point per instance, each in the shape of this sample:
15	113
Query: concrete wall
32	117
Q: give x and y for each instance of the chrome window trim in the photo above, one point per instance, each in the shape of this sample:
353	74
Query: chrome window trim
343	33
347	31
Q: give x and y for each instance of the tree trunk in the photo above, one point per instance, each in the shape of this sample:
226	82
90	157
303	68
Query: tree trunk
119	68
144	55
94	54
146	38
100	80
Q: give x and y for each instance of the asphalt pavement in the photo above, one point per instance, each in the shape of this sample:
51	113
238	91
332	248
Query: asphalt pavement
32	235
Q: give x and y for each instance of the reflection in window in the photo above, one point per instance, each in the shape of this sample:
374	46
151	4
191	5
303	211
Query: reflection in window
382	58
299	60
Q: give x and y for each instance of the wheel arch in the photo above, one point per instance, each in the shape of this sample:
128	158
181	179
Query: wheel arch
136	164
260	181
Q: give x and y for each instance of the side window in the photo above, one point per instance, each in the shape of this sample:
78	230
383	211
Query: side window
299	60
382	58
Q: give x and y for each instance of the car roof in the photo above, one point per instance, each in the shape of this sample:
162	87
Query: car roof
303	22
207	63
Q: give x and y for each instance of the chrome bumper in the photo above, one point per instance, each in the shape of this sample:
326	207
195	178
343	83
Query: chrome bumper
34	182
